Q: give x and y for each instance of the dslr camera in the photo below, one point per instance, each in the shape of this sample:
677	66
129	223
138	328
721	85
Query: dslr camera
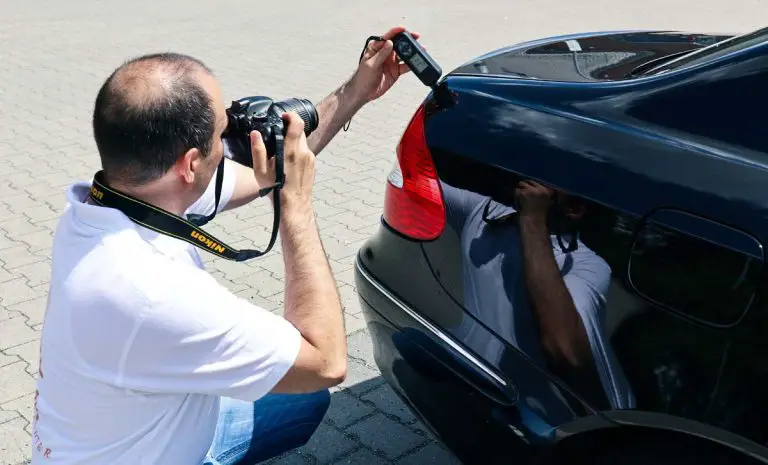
262	114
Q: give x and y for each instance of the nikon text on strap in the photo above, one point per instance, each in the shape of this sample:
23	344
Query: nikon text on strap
172	225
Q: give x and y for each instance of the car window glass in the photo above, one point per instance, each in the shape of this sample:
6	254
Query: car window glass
714	51
696	267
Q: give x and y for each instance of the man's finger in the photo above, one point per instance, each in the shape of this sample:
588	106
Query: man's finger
258	151
294	134
530	183
403	68
376	45
371	50
295	125
393	32
382	55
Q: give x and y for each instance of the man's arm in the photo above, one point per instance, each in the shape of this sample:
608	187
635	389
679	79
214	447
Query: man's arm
566	309
562	331
333	111
312	305
312	302
377	72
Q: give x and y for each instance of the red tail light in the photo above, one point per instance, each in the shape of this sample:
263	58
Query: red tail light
413	201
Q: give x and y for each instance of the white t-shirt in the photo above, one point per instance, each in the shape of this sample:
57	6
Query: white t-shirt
139	343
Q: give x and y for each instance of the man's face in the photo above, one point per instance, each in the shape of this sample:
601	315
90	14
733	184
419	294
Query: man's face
207	164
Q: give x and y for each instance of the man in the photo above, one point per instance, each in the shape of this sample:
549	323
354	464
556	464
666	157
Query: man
528	275
147	359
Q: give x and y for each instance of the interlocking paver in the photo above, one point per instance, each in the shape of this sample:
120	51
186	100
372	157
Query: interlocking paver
385	399
328	444
17	291
18	226
6	416
40	240
264	283
431	453
361	348
15	257
33	310
24	406
36	273
28	352
15	332
346	409
353	323
361	456
50	81
15	443
4	313
385	436
15	382
293	458
6	359
360	378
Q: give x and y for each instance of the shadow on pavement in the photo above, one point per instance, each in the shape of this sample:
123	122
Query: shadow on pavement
368	424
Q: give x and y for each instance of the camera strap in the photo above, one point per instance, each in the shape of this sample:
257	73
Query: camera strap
169	224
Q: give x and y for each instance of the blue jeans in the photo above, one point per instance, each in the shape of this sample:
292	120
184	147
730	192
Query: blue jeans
251	432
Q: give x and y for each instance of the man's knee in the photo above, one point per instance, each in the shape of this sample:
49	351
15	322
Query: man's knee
309	408
284	422
296	412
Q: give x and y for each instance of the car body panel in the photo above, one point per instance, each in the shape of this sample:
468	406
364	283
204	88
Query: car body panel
673	167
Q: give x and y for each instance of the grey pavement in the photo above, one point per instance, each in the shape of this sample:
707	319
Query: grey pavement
55	54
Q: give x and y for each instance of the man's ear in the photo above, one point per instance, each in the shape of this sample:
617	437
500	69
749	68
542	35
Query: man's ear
188	165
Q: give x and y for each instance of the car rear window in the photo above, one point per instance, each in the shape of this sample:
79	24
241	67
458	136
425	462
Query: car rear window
714	51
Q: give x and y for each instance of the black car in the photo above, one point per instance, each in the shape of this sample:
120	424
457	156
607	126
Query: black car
570	263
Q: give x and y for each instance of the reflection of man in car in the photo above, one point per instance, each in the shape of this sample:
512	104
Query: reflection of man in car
527	274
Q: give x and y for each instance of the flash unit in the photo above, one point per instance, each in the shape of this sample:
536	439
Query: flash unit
417	59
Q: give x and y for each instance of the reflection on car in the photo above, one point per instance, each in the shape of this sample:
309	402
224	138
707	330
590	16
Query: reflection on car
570	265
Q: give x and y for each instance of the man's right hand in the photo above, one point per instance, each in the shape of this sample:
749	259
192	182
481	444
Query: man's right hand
299	166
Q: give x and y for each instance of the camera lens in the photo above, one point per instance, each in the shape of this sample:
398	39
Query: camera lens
404	49
304	108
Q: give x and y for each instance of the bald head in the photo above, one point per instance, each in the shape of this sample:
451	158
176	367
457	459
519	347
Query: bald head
149	112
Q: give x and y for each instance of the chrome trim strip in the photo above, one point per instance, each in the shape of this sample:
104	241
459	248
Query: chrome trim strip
444	337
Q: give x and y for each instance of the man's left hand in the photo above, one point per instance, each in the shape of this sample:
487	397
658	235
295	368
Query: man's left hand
380	67
533	199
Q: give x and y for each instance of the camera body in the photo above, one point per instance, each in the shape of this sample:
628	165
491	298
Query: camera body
418	60
262	114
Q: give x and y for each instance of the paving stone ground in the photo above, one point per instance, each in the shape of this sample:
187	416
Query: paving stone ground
54	55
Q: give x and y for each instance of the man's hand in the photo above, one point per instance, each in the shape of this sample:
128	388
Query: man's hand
375	75
533	199
298	166
296	194
380	67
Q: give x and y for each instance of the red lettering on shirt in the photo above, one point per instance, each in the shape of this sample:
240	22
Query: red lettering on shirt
38	442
